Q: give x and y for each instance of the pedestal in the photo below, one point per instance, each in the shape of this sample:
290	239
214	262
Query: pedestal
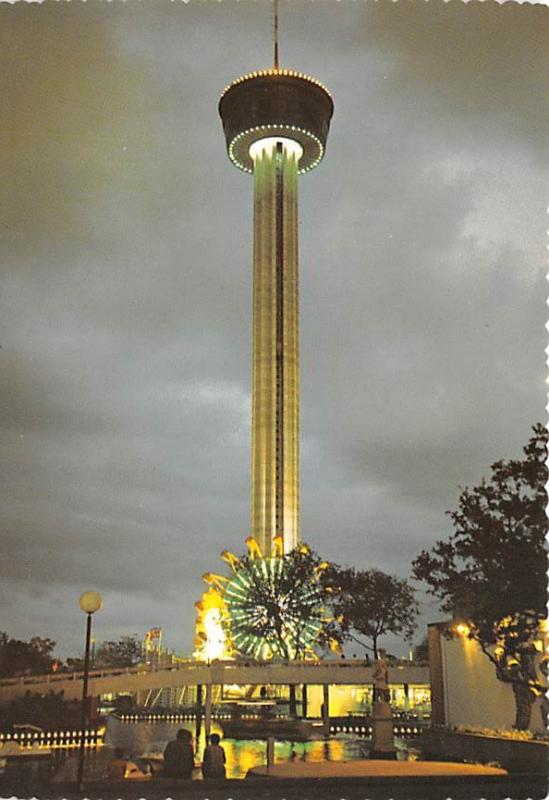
383	745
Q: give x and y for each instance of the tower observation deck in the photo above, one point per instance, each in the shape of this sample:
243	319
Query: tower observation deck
276	124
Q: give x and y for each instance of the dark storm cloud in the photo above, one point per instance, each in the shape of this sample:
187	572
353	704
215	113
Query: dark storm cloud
126	289
479	65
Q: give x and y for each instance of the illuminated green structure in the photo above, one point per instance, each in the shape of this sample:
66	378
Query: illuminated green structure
271	613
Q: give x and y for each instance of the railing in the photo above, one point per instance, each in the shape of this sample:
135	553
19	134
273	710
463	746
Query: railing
54	677
55	739
192	665
406	726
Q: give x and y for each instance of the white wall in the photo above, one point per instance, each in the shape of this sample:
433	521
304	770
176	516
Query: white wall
472	693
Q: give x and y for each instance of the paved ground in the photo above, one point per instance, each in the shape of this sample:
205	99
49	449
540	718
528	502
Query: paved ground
395	787
373	769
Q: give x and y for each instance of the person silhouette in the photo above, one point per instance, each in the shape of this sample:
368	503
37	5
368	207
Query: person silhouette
179	756
213	763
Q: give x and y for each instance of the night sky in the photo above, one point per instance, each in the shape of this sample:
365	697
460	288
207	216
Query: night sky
126	290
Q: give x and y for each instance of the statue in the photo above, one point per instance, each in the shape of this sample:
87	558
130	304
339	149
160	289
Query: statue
381	679
383	745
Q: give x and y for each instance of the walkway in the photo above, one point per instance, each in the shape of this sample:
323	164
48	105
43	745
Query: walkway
373	769
488	787
219	673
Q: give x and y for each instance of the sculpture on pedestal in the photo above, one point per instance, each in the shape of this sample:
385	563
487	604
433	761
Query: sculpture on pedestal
381	679
383	745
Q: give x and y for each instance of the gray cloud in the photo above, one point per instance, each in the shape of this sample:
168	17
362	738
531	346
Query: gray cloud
126	286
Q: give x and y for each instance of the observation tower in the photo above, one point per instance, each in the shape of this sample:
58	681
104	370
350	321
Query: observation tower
276	124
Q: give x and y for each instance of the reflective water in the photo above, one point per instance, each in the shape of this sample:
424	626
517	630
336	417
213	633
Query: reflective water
140	738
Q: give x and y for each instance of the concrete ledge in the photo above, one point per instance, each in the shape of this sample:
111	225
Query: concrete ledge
371	768
494	787
513	755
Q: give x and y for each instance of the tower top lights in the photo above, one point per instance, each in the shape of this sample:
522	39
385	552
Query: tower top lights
276	103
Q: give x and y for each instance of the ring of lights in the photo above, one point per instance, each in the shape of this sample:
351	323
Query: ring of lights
239	148
300	631
276	103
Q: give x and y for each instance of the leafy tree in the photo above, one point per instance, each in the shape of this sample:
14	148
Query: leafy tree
74	664
49	712
126	704
371	603
491	572
126	652
19	658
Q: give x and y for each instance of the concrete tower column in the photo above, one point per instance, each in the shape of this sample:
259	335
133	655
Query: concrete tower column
275	375
276	124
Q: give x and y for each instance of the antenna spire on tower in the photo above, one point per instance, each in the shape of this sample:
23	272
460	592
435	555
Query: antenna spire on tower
275	8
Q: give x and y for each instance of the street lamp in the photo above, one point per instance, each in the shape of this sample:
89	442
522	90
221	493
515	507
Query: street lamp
90	602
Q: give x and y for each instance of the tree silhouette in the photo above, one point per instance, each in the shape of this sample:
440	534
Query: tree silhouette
491	572
372	604
19	658
126	652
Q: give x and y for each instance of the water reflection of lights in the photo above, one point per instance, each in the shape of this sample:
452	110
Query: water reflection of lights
139	738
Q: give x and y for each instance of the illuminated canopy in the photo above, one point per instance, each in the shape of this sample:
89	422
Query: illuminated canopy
267	144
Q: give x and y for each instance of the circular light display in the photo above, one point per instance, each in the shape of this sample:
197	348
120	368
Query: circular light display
270	142
273	611
292	73
240	147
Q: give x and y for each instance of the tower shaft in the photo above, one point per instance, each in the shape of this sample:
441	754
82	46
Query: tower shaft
276	124
275	381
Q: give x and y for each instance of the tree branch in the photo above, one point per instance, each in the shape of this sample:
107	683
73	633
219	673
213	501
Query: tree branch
362	644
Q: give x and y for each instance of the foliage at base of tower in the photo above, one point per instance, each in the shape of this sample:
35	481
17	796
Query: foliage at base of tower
491	572
372	604
277	605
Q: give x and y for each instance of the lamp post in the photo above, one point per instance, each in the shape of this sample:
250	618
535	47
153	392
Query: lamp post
90	602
